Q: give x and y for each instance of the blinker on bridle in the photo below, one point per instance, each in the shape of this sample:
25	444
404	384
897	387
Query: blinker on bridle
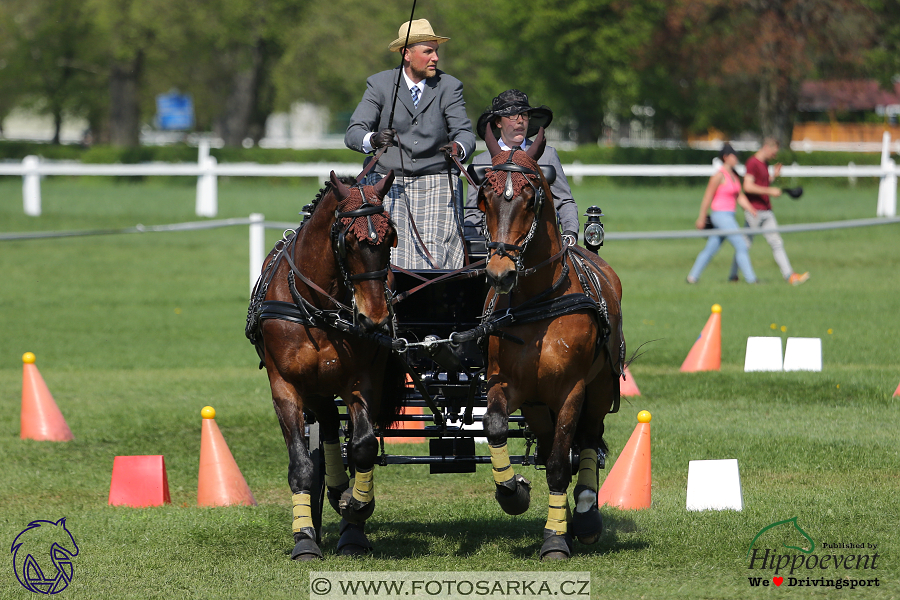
510	167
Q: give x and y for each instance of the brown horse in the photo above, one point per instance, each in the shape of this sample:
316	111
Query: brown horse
560	360
319	318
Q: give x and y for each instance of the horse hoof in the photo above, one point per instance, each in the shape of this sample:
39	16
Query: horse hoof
587	526
556	547
334	496
306	550
353	540
514	496
354	511
354	550
555	556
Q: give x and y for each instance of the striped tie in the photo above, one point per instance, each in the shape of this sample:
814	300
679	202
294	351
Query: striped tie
414	90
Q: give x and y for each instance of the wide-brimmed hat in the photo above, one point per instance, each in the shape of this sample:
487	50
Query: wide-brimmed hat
514	102
419	31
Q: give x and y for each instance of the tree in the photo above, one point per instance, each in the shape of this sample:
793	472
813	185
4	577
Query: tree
48	62
771	46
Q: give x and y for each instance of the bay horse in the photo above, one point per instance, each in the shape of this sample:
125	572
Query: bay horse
561	350
320	317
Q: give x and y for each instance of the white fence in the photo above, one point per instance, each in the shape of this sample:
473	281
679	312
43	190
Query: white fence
207	171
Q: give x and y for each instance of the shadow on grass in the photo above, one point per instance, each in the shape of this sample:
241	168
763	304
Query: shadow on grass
519	538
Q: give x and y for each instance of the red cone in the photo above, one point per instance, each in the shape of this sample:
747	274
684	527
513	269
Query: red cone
41	418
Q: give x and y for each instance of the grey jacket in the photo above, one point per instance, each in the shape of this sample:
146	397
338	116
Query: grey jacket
566	208
439	119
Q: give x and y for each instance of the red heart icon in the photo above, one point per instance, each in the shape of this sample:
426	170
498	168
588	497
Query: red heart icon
777	580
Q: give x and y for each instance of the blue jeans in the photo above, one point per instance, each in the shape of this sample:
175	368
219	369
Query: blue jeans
724	220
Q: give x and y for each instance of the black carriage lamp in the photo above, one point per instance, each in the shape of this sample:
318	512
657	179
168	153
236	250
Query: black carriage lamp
593	229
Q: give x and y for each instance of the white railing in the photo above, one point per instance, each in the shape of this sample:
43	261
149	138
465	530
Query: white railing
207	171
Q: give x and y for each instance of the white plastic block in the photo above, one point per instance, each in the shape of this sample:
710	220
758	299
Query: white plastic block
714	485
763	354
803	354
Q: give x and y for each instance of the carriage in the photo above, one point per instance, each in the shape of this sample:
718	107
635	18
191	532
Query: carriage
435	340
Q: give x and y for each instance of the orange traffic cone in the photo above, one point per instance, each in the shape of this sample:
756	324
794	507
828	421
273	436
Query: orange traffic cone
627	386
706	355
897	392
220	482
408	410
628	483
41	418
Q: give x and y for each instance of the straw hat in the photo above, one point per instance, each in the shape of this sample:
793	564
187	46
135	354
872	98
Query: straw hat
419	31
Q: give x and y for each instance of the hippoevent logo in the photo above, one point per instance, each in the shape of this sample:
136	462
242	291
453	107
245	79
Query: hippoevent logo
42	556
829	565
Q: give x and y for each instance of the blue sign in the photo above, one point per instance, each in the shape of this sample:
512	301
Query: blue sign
40	541
174	111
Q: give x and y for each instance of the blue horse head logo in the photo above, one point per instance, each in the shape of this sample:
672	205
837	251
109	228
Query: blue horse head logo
40	541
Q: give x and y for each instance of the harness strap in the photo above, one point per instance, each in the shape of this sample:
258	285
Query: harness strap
468	271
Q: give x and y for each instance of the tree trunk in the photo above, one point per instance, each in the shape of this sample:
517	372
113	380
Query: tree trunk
57	126
124	97
234	125
777	107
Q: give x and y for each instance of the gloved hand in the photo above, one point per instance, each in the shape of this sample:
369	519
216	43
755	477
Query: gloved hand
572	237
383	138
450	150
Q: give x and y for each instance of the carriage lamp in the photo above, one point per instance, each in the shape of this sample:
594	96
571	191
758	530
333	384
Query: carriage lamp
593	229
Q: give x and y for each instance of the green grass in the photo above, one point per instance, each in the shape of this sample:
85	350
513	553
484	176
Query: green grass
135	333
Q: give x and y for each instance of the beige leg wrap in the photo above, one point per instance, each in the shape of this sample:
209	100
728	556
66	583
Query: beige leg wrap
335	475
364	486
558	514
302	511
502	469
587	469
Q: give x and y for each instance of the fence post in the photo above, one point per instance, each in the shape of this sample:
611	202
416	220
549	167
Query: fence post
31	186
257	246
207	185
887	187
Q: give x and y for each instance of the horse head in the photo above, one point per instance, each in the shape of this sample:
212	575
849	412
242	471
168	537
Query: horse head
362	238
511	198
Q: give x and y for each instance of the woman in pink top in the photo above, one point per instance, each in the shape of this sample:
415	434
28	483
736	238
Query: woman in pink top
722	194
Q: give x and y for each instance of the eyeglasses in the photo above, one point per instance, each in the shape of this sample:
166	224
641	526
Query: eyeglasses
514	118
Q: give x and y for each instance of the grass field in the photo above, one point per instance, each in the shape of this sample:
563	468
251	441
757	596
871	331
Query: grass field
134	334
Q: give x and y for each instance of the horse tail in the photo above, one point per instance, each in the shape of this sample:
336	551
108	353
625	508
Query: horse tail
393	392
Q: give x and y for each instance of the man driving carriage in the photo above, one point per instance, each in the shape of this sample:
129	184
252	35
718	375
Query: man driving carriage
427	123
514	122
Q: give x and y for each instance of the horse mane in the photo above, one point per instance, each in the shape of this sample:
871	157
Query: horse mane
347	180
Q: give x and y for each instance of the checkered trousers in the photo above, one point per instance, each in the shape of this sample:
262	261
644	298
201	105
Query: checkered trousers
434	207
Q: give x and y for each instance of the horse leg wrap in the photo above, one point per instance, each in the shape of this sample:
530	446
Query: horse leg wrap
587	469
557	541
336	478
353	540
303	528
587	523
513	491
357	503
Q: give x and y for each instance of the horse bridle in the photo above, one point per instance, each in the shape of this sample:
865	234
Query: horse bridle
501	248
339	247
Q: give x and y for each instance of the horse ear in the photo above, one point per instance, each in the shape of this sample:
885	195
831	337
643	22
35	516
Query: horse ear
536	149
384	185
342	190
489	139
